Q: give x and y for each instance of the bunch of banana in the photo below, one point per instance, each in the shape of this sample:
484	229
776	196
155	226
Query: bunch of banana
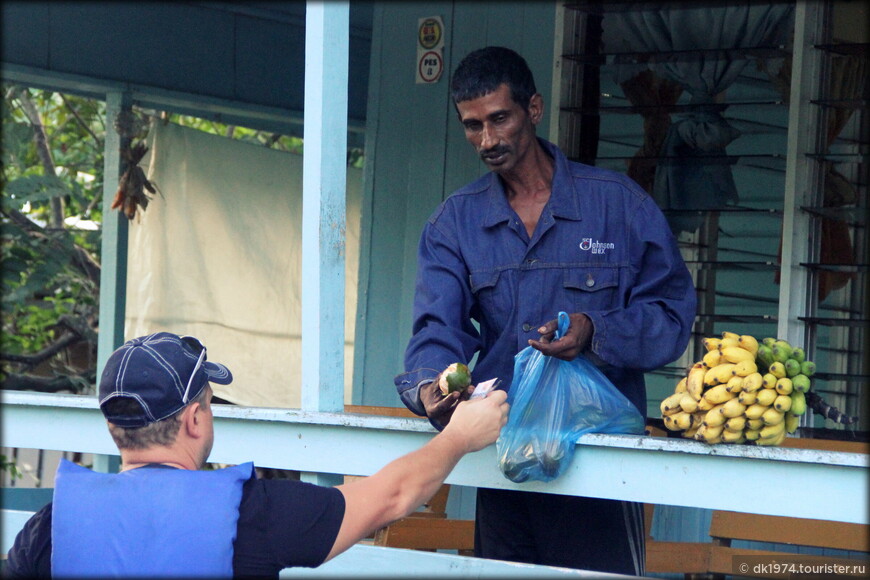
731	397
790	371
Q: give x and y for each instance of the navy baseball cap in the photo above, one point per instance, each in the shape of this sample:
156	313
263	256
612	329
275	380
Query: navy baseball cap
162	371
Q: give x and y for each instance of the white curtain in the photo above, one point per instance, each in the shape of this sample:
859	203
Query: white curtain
694	173
218	256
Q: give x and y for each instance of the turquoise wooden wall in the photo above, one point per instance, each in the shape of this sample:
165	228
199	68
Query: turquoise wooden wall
417	155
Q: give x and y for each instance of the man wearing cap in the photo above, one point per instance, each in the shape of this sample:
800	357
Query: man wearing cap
161	516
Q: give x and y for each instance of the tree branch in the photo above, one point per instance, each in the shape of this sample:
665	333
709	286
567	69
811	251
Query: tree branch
81	122
44	152
81	258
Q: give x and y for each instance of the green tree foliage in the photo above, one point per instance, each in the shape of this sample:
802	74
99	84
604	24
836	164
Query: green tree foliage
52	159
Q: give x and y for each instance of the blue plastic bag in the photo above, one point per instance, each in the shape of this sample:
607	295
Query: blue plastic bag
553	402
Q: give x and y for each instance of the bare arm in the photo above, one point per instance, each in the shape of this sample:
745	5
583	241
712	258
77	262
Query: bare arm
408	482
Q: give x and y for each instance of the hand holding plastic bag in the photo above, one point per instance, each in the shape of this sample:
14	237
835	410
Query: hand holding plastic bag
553	402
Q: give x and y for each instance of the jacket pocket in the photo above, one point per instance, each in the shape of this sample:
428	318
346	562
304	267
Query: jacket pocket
494	299
593	288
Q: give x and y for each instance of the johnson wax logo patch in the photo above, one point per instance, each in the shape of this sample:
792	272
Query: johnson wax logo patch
596	247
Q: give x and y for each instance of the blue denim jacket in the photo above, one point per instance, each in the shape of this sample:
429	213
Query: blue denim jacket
601	247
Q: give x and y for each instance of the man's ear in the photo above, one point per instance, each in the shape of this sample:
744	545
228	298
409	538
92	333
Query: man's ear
536	108
192	419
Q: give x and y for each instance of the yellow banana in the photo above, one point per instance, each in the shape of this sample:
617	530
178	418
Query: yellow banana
688	403
768	381
748	342
726	334
755	411
770	430
682	420
772	441
671	404
714	417
777	369
719	374
712	343
756	424
745	368
752	382
784	386
782	403
695	381
735	354
751	434
709	433
772	417
729	341
718	394
734	385
697	419
765	397
735	424
712	358
681	385
735	437
734	408
705	405
748	398
669	422
690	433
792	422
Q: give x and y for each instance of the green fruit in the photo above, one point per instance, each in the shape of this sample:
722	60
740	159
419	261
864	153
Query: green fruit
454	378
799	354
769	341
801	383
808	368
764	356
792	367
781	351
798	403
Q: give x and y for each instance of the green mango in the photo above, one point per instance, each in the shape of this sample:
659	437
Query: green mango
454	378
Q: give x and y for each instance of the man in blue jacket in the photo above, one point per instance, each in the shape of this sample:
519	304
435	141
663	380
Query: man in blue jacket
500	257
163	517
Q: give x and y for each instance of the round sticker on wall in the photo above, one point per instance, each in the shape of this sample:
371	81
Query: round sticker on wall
430	33
430	67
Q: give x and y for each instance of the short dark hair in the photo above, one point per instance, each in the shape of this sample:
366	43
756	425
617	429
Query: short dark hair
159	433
482	71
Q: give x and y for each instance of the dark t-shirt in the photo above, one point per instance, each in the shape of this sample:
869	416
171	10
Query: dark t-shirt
281	524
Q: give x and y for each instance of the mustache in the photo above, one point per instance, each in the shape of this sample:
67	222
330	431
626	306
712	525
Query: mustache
494	152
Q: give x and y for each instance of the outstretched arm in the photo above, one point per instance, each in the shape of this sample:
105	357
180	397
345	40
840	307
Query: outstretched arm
408	482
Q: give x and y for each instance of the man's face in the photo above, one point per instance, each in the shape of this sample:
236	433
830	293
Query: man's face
499	129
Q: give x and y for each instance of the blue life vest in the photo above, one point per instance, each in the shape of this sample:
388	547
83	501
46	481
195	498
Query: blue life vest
145	522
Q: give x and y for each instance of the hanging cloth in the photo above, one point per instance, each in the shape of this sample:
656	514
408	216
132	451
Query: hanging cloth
145	522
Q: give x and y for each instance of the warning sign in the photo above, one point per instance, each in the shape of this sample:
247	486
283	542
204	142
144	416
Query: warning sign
431	66
430	49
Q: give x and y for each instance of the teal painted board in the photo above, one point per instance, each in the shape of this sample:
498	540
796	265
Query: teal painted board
29	499
419	156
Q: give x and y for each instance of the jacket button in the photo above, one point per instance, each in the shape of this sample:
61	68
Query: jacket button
527	327
590	282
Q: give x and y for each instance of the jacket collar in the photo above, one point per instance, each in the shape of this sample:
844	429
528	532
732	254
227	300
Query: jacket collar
563	201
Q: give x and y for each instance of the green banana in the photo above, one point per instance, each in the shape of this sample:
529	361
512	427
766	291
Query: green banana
798	403
799	354
769	341
801	383
808	368
792	367
782	350
764	356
